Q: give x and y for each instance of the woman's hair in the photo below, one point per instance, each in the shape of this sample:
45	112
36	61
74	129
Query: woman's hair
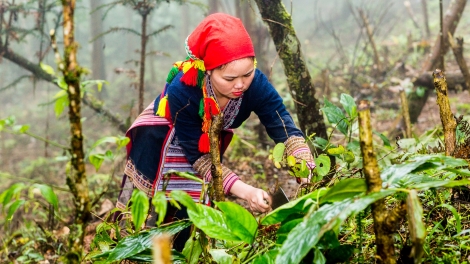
223	66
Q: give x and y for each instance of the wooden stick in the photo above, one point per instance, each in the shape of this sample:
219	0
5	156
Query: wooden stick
384	242
162	249
217	192
447	118
405	113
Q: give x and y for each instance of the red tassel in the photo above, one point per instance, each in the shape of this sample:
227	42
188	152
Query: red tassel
204	144
190	77
167	112
210	107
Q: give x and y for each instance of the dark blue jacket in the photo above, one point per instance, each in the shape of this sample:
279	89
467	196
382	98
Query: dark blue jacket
260	98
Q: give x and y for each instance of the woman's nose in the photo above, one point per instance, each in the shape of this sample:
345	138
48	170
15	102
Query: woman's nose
238	84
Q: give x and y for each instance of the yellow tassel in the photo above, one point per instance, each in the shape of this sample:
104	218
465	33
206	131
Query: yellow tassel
187	65
162	106
199	64
255	62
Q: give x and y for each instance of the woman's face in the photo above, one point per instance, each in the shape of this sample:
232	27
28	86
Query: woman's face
232	80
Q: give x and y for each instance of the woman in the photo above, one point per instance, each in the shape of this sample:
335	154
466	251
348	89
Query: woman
172	133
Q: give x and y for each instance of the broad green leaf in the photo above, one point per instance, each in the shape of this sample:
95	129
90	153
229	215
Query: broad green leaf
296	206
321	142
161	205
48	69
6	196
192	250
61	83
13	207
221	257
278	152
416	225
322	165
183	198
349	156
335	116
239	220
22	129
139	208
285	228
328	217
48	194
349	105
212	222
347	188
336	151
96	160
132	245
458	220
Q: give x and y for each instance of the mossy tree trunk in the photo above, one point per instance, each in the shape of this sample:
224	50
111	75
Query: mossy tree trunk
299	80
76	177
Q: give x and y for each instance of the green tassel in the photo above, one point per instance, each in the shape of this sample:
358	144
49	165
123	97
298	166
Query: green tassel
171	75
200	79
201	108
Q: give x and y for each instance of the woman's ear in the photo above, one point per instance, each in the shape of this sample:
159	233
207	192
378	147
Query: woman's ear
209	73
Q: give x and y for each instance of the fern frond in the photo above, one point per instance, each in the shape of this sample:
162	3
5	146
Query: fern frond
156	32
116	29
14	83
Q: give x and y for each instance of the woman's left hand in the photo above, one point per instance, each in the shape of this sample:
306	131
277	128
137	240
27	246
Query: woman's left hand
258	200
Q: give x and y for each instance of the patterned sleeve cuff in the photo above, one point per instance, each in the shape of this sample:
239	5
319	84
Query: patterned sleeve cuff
203	167
296	146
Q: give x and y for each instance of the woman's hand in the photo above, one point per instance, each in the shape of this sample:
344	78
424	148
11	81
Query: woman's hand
258	200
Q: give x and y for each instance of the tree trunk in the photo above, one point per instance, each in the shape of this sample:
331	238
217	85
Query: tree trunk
450	23
76	178
98	71
300	83
143	45
457	48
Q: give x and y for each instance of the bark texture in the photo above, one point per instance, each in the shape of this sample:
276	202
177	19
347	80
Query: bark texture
383	240
76	178
216	168
405	112
449	123
299	80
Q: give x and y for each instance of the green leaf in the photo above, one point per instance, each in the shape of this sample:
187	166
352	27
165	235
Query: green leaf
322	165
60	104
105	140
267	258
48	69
328	217
291	161
122	141
96	160
13	207
335	116
192	250
161	205
139	208
48	194
320	143
420	90
340	254
239	220
285	228
416	225
6	196
221	257
185	175
349	156
62	84
458	220
384	139
212	222
183	198
278	152
336	151
299	205
349	105
132	245
23	129
347	188
319	258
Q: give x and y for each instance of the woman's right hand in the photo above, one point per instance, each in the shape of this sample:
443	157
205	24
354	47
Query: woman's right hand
258	200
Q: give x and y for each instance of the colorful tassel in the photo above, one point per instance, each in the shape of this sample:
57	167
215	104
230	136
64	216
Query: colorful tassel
162	106
204	143
190	77
201	108
167	111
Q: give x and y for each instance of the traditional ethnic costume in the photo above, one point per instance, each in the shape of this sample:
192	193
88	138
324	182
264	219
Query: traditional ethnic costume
172	133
